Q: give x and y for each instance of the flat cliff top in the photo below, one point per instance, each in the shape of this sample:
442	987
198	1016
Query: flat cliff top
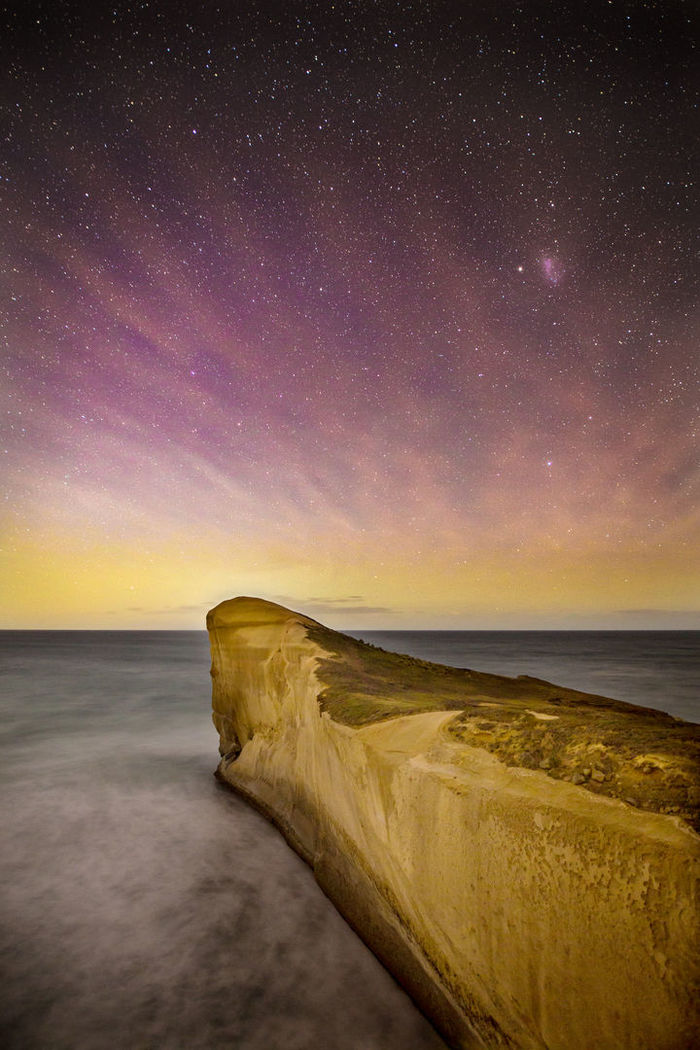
641	756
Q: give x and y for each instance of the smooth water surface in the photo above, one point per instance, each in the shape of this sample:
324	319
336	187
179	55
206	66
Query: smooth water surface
143	906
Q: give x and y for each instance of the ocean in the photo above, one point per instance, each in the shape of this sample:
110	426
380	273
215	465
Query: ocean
145	907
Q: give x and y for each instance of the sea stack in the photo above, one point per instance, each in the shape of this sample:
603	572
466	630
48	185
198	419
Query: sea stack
524	858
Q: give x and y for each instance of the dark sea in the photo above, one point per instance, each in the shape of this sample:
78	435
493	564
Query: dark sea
145	907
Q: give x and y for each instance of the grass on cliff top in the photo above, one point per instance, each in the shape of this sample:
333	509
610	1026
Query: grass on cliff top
645	757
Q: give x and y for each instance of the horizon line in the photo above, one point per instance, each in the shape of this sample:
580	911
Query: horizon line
371	630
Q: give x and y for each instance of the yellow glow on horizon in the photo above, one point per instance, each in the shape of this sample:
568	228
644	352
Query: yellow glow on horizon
62	585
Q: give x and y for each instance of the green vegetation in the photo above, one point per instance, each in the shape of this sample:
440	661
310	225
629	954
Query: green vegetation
644	757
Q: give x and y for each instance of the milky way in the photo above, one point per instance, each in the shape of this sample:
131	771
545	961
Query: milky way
383	310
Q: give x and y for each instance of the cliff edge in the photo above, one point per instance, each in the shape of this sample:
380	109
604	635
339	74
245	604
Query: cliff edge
522	857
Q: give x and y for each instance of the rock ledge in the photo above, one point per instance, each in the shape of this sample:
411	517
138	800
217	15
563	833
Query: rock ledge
486	862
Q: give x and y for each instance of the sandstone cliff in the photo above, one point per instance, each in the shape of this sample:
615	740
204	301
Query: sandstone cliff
500	843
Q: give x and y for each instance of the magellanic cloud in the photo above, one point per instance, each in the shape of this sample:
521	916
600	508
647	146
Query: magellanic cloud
348	315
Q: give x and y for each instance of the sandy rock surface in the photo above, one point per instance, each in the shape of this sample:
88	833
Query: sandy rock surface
519	910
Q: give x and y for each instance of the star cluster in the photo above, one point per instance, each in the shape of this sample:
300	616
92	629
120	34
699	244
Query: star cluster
391	304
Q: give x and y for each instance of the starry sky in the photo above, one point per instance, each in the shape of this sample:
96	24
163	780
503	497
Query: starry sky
385	311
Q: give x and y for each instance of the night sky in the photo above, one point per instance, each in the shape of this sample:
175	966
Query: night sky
381	310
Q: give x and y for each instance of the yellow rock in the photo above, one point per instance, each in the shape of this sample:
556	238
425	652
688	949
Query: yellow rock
519	910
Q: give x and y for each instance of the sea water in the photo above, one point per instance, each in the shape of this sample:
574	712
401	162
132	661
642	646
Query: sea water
142	905
145	907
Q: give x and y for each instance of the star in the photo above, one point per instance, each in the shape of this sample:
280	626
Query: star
173	213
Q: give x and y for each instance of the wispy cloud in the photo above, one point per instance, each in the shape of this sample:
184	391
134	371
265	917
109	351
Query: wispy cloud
338	601
360	610
352	604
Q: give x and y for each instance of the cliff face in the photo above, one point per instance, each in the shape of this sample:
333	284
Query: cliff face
519	910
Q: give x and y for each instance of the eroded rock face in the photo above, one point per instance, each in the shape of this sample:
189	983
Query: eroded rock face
519	910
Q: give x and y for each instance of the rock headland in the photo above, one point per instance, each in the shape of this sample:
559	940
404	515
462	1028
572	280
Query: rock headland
523	857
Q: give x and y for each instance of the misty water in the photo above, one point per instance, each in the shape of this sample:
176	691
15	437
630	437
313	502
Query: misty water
145	907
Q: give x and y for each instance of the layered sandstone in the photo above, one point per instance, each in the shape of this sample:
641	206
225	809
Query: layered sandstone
519	900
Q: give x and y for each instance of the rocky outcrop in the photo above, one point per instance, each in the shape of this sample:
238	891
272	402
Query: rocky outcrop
519	908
